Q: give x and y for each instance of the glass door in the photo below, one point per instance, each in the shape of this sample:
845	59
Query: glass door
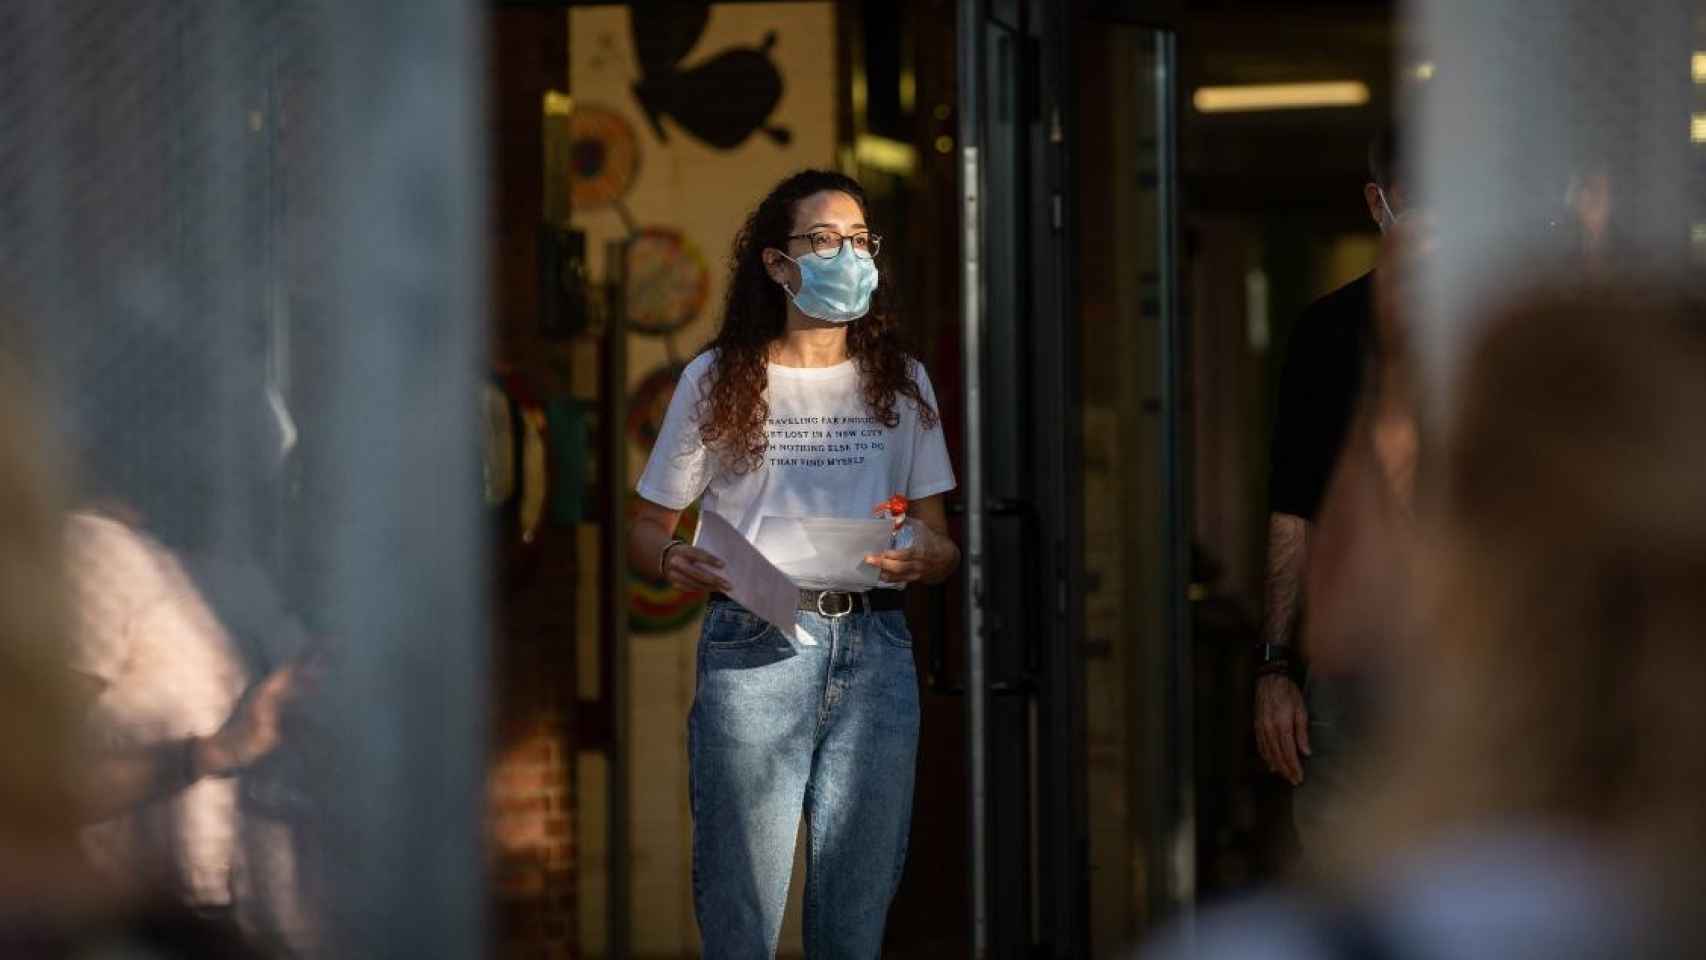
1132	514
1001	520
1077	685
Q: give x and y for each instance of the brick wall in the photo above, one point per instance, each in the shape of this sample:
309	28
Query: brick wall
531	787
532	842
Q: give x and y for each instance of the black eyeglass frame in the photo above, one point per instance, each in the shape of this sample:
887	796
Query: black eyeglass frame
873	240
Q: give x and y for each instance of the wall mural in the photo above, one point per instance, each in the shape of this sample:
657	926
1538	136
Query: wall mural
720	93
666	283
682	68
724	100
713	104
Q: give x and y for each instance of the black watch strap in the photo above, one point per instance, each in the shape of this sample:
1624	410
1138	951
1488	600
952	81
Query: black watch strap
1272	658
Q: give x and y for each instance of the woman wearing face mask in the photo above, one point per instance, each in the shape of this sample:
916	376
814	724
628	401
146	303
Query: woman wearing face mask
804	405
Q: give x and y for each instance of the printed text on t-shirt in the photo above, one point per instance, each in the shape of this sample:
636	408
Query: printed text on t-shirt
824	441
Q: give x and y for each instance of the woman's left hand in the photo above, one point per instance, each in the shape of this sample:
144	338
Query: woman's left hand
932	558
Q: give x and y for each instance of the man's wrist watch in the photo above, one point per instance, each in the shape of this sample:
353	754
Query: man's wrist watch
1277	658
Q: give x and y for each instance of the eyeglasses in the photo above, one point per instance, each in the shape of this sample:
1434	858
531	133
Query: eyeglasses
827	243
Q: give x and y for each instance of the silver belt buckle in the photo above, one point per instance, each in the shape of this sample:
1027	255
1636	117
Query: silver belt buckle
834	593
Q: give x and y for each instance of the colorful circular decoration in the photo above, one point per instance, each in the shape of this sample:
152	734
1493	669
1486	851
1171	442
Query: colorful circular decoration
534	463
667	281
654	606
649	404
604	157
531	458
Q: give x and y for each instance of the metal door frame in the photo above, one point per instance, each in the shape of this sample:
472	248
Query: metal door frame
1032	892
1058	878
971	317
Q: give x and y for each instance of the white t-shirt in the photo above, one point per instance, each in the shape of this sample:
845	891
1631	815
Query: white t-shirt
168	669
827	456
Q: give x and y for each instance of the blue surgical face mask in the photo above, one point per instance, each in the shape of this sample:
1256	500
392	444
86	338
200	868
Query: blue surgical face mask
835	290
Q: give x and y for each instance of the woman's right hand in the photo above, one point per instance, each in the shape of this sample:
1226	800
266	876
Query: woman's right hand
692	569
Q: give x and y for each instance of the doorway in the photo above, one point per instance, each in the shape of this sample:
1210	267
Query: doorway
1079	667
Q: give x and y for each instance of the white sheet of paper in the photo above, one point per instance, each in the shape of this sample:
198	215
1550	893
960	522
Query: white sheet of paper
754	582
784	541
838	550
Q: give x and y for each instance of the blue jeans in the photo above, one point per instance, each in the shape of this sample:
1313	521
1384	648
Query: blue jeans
777	728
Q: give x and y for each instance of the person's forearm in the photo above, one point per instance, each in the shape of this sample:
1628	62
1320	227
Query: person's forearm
645	546
1288	558
949	564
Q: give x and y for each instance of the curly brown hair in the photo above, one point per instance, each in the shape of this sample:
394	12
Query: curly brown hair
732	407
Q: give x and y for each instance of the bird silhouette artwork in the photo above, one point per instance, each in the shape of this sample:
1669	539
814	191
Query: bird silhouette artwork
722	101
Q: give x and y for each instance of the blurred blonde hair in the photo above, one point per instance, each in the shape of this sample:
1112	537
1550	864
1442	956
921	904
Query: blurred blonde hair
1558	672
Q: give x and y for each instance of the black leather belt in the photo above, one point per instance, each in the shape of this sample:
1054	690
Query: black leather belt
840	603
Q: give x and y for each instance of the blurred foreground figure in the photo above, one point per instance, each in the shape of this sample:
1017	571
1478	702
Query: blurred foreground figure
186	657
52	904
170	721
1541	786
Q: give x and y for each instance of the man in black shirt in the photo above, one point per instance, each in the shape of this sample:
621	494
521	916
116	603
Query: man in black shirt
1319	386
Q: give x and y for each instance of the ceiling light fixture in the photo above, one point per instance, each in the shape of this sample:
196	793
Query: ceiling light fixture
1280	96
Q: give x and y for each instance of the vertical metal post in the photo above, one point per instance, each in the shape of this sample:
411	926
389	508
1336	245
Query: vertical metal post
1181	806
400	523
971	314
613	384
